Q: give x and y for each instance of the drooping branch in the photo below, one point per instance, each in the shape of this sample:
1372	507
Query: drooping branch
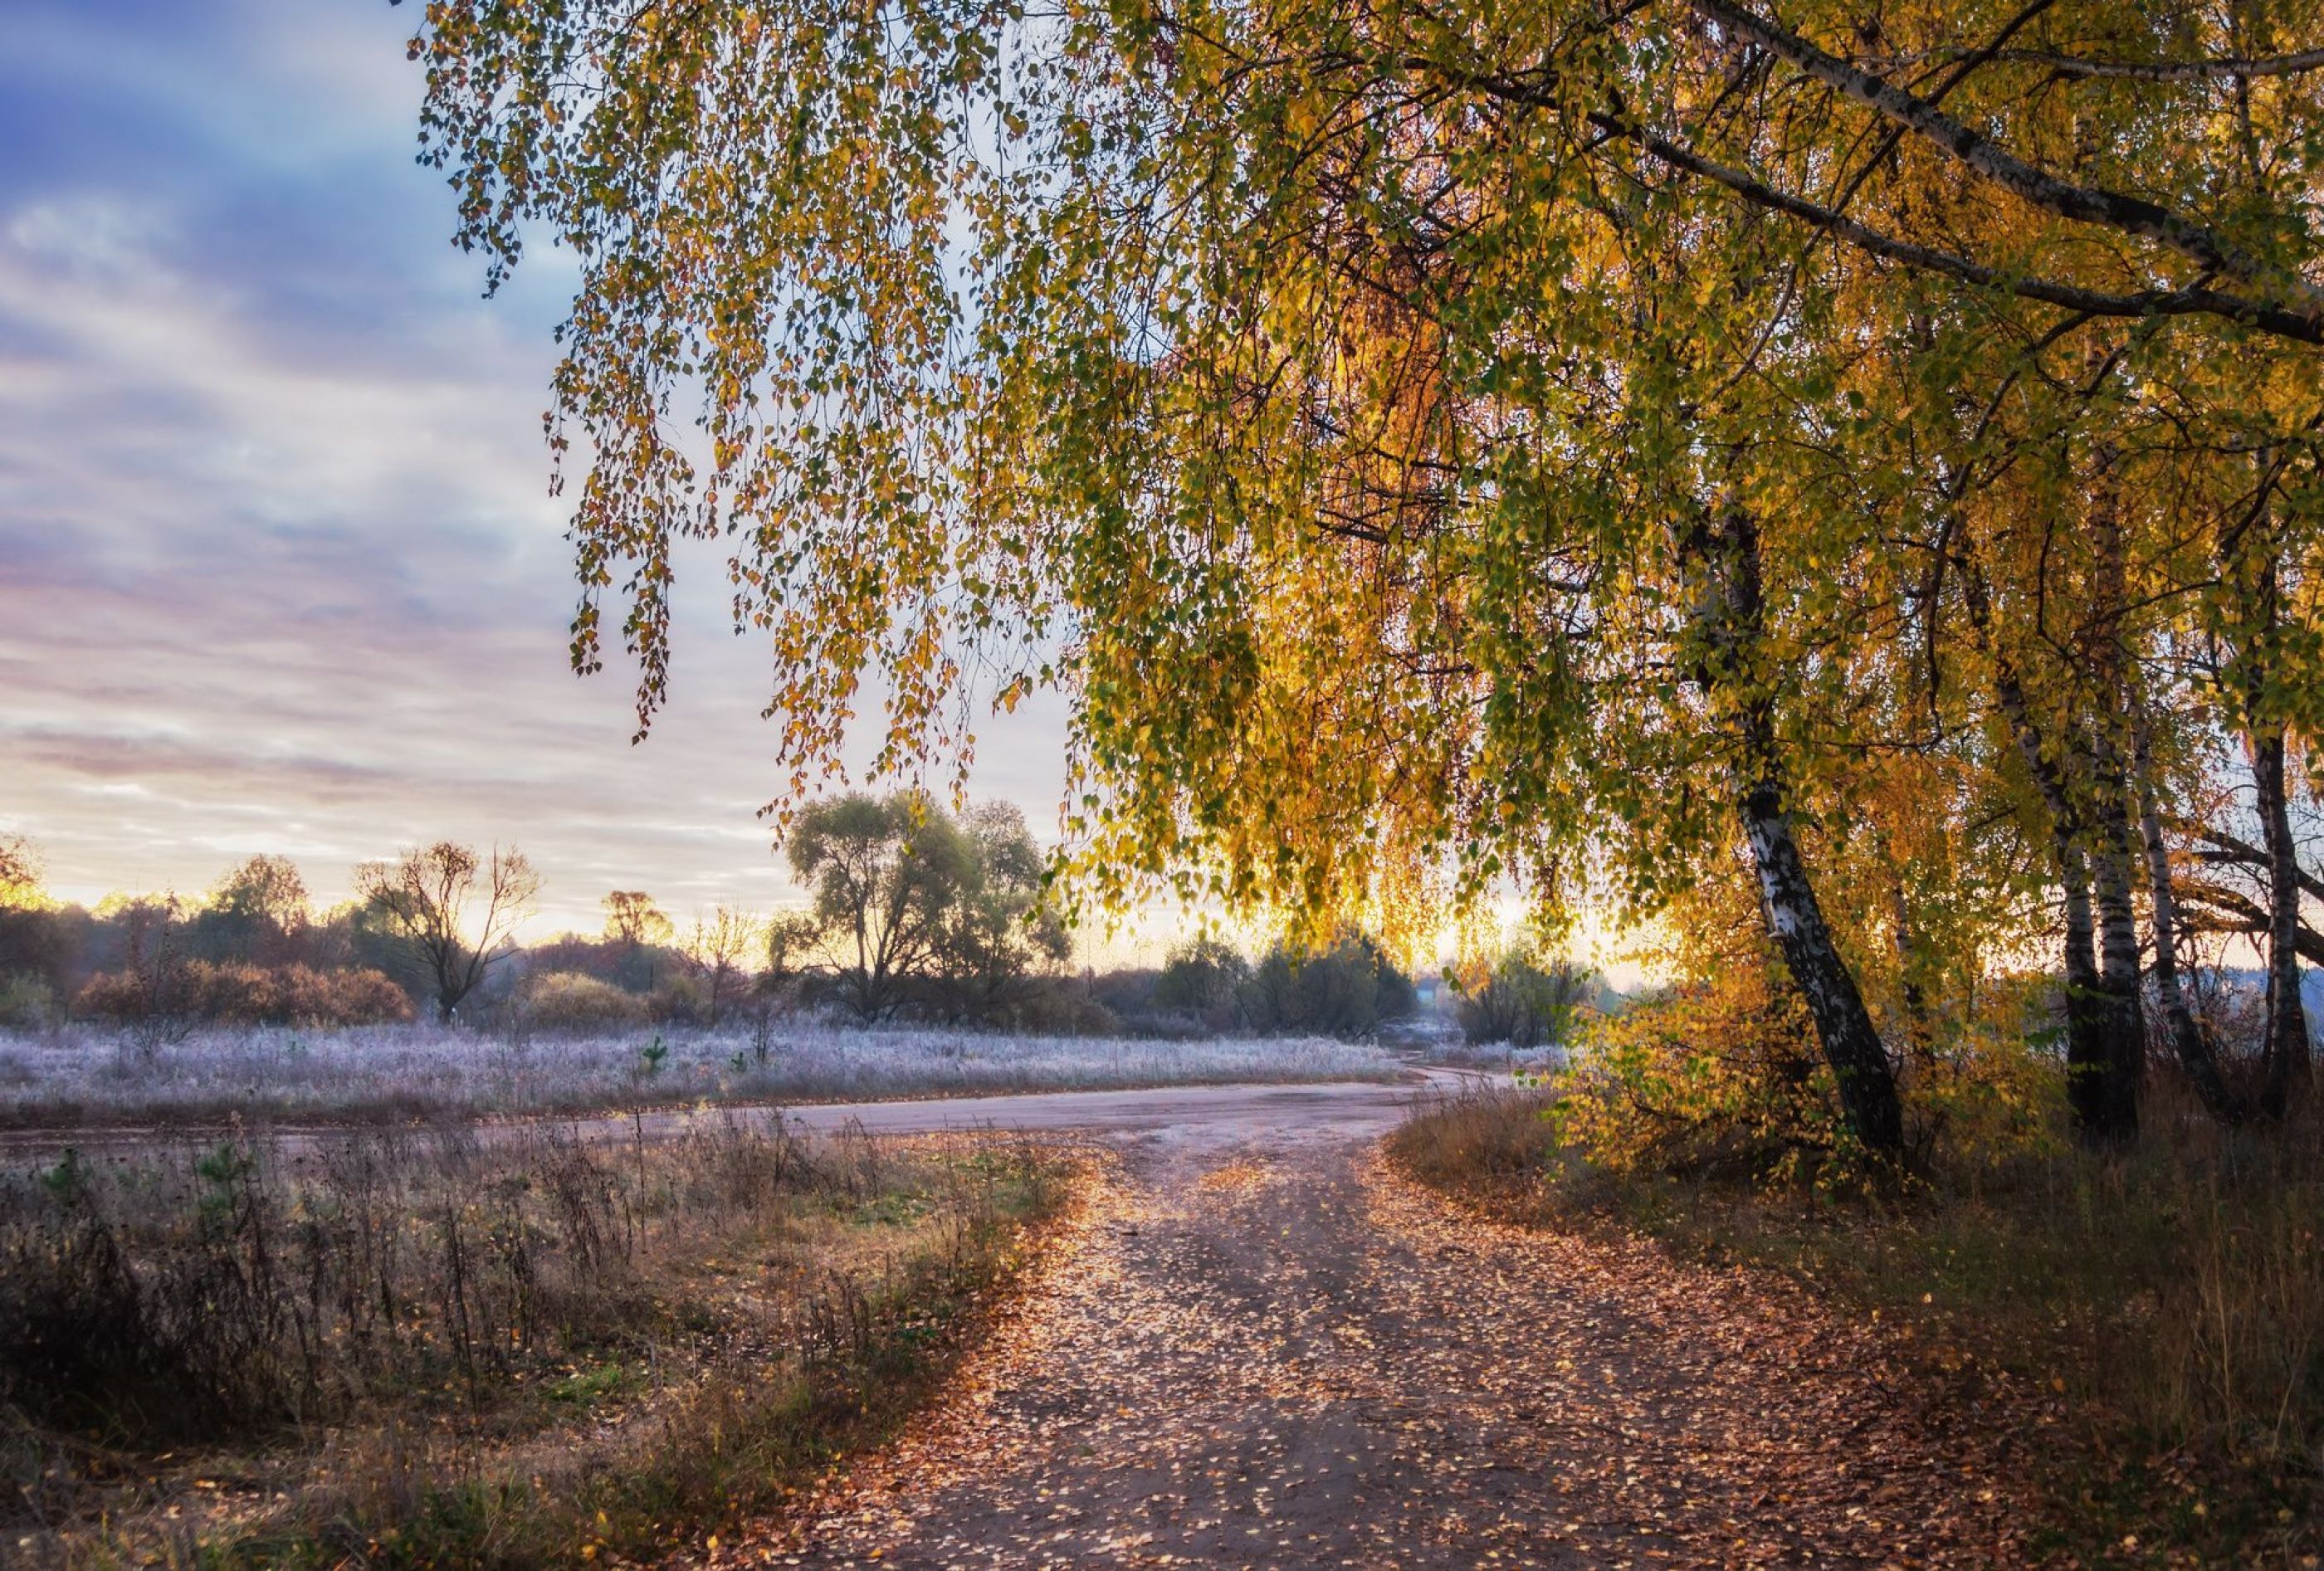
2238	913
2194	300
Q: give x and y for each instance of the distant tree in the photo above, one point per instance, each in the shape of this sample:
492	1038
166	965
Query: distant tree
356	935
37	939
1204	978
886	873
632	918
1000	929
150	992
717	952
426	897
265	888
1518	1000
258	911
792	938
1344	991
638	933
20	875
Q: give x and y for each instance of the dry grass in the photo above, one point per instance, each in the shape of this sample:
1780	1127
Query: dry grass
392	1347
2164	1307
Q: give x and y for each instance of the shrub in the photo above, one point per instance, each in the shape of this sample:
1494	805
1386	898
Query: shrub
238	994
130	998
361	995
1204	980
1062	1006
681	999
1720	1076
1724	1078
1488	1144
293	995
27	1002
576	1001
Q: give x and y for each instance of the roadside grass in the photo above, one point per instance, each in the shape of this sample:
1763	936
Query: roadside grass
2158	1316
84	1077
424	1348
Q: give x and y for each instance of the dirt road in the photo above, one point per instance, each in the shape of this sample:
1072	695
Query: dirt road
1219	1111
1260	1347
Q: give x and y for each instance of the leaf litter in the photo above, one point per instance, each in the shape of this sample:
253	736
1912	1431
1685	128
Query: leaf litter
1285	1353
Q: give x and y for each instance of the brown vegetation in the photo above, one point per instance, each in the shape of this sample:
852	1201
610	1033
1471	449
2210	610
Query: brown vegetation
232	993
442	1348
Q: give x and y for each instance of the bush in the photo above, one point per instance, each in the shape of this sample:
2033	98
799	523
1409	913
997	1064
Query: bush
245	994
361	995
130	998
1488	1145
576	1001
27	1003
237	994
1203	980
681	999
234	993
1714	1077
1062	1006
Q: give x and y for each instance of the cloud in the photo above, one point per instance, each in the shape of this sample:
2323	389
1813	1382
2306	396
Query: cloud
278	566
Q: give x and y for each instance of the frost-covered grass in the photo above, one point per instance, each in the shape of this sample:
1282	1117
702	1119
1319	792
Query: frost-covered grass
86	1076
1495	1057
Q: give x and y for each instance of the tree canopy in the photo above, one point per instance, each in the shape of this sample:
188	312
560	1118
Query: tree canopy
1561	444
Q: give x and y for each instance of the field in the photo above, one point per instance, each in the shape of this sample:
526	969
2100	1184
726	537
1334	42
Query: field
394	1348
86	1077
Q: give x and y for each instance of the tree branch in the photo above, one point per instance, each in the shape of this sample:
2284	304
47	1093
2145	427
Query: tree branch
2085	204
2235	849
2243	916
2075	67
2195	300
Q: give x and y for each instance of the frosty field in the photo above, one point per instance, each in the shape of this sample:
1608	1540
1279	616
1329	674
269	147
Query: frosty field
88	1077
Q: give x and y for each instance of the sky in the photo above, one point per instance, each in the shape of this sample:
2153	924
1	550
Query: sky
279	569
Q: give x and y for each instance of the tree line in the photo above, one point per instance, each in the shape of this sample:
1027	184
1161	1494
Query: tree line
425	930
913	912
